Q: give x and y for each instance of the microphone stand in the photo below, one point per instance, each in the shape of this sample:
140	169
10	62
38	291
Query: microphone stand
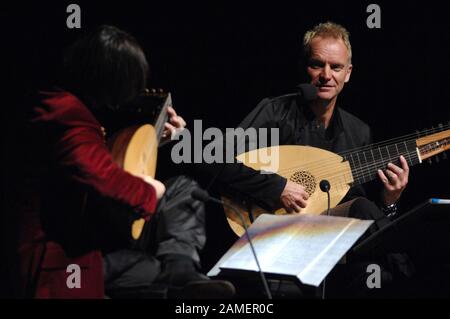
204	196
261	273
325	187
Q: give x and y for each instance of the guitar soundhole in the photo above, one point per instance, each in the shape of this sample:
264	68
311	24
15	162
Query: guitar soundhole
306	180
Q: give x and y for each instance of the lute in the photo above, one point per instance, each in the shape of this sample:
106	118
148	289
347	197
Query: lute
307	166
135	148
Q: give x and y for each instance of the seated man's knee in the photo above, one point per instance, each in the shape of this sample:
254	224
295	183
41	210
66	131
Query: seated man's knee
181	182
363	208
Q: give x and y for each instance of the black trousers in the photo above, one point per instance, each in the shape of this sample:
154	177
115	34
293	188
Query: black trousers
178	227
349	279
365	209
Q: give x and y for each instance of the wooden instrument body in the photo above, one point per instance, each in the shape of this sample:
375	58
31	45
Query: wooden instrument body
308	166
135	149
304	165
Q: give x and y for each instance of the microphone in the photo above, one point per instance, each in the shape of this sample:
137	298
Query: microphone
203	196
307	92
325	187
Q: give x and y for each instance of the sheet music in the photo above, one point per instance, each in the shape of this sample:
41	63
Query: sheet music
304	246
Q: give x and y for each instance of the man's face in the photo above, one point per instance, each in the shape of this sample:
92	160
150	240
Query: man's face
328	66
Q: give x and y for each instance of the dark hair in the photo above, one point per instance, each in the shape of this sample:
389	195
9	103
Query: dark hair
107	67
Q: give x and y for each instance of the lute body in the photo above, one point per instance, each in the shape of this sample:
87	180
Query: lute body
135	149
307	166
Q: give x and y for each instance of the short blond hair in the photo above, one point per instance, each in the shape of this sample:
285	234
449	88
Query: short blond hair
327	30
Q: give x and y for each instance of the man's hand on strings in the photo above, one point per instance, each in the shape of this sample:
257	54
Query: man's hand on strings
394	179
173	126
294	197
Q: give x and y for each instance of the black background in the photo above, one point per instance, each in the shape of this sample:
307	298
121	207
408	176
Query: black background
219	59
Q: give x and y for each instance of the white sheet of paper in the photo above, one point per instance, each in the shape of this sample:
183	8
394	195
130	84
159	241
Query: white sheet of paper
305	246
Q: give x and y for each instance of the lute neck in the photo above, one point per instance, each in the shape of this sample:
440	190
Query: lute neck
162	118
365	164
366	161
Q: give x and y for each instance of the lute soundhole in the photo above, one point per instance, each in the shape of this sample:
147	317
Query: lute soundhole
305	179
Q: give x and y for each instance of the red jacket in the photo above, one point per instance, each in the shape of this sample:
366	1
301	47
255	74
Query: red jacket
72	163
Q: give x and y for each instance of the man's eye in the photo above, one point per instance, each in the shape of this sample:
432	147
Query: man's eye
315	66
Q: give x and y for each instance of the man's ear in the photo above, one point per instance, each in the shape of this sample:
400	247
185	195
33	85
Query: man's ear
349	72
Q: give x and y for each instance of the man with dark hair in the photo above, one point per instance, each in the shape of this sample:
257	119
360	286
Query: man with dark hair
74	183
113	72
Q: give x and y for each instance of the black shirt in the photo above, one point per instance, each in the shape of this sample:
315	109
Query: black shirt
297	126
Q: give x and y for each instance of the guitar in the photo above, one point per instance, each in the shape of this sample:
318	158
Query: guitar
135	149
307	166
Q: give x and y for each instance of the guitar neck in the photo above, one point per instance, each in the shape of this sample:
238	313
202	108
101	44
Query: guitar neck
162	118
365	163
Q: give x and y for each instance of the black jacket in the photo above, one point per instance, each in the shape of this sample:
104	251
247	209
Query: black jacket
297	126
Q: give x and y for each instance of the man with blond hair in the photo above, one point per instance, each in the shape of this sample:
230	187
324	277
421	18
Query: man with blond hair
319	123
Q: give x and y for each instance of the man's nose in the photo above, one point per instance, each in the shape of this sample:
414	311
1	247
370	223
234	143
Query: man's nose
325	75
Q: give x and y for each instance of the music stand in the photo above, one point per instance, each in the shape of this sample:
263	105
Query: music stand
394	236
298	247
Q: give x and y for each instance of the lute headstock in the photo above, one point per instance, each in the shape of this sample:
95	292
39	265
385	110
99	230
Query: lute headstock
435	143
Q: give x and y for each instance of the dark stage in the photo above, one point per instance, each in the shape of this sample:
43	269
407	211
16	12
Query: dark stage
219	59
